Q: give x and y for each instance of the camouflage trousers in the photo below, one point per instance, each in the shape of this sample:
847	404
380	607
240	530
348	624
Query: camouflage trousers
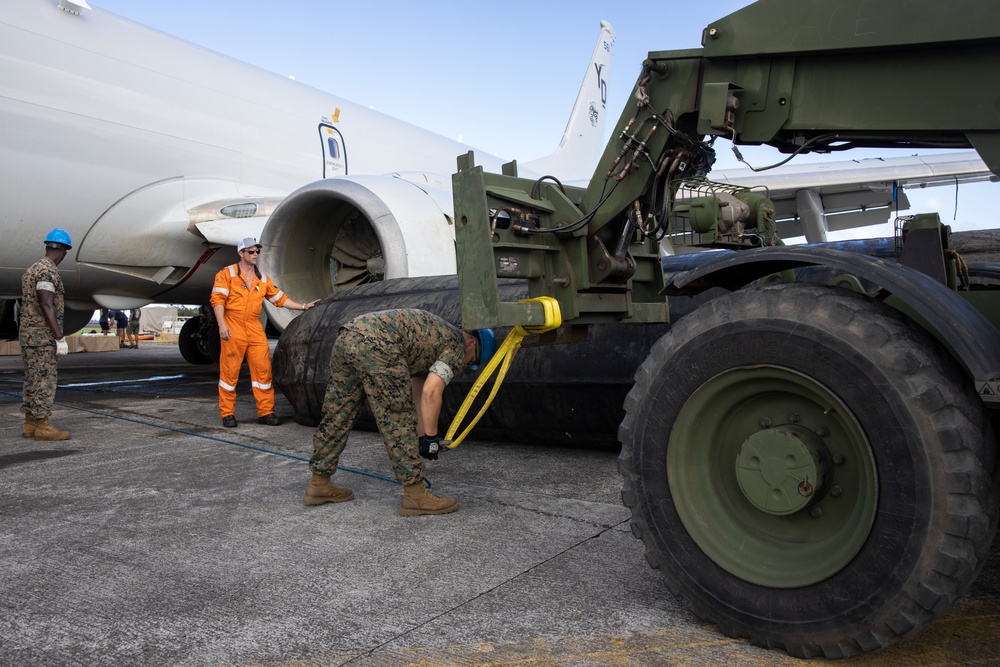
40	374
368	367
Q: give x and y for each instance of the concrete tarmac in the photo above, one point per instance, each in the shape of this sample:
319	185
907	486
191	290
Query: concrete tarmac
157	537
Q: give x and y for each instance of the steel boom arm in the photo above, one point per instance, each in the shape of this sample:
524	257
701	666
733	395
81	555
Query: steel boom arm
800	75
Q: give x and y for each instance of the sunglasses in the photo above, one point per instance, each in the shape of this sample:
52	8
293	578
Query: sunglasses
254	251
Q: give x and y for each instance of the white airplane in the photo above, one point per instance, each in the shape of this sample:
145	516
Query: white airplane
155	154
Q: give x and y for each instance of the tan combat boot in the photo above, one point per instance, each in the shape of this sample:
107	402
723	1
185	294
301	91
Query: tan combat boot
28	431
322	490
418	500
47	432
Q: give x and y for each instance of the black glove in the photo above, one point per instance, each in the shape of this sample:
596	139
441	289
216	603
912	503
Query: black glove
429	447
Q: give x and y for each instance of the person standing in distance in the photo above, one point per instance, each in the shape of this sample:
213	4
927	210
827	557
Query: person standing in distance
121	324
400	361
237	298
40	333
132	330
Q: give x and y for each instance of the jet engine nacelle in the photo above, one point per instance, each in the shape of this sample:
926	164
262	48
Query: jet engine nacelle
342	232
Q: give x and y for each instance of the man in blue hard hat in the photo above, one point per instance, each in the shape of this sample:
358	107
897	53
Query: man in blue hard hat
401	361
40	332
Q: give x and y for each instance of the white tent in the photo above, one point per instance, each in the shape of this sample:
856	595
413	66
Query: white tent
159	319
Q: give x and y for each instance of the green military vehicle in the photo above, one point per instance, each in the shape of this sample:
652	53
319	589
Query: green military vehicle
809	455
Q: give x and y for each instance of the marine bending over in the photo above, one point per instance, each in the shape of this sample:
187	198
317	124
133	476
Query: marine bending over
400	361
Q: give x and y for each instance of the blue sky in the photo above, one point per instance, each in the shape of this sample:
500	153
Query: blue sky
499	76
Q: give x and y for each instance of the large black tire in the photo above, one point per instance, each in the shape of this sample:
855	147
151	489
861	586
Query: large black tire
195	346
893	506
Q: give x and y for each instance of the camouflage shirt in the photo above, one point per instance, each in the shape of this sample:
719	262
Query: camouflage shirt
425	341
34	332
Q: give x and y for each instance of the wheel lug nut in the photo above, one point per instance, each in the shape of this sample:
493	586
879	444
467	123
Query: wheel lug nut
816	512
765	422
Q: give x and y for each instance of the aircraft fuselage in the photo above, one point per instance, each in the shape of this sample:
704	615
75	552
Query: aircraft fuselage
117	132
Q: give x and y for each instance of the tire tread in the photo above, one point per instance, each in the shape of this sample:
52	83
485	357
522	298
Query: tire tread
971	515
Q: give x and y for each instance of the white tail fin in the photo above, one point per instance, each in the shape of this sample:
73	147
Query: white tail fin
583	141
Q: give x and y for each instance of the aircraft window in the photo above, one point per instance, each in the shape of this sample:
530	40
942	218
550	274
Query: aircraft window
334	150
245	210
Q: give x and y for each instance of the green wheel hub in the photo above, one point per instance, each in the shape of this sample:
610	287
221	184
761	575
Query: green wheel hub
780	470
772	476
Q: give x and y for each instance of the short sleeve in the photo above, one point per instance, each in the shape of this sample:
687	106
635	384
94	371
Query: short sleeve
442	370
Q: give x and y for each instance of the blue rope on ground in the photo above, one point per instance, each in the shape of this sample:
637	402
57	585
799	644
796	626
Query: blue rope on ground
211	437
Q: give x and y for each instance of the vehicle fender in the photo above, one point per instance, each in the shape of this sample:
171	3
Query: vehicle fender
969	335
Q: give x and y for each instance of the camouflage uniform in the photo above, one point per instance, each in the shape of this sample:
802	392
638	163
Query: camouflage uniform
38	347
374	356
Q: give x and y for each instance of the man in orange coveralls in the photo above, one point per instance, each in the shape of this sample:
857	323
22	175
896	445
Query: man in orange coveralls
237	297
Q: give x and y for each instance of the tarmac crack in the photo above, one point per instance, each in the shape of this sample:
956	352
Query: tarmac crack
554	515
604	529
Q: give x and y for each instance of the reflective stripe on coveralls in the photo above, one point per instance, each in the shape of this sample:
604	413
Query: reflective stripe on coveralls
243	303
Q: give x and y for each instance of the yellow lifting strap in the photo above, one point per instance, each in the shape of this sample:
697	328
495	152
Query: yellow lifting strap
503	357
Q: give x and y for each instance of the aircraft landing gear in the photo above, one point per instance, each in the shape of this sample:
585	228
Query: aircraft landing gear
199	339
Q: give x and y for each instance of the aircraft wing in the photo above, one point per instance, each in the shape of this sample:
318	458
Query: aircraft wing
815	198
